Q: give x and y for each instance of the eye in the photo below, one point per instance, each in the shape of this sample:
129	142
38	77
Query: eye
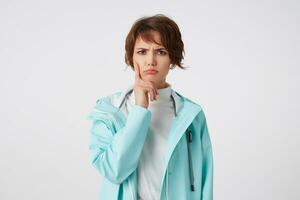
141	52
161	52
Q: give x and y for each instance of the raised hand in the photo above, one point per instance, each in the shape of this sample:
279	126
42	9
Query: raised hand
142	89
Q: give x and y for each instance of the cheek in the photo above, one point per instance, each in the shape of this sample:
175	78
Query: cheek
165	65
165	60
137	59
164	70
134	59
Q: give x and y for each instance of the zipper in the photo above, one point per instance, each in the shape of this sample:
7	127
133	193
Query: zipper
189	148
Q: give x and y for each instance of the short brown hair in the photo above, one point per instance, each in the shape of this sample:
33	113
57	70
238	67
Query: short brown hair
170	37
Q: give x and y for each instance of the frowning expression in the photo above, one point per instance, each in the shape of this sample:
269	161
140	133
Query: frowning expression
152	59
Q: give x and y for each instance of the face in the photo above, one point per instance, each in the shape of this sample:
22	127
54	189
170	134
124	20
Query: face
152	56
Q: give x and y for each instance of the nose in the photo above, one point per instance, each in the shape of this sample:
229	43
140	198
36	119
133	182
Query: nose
151	60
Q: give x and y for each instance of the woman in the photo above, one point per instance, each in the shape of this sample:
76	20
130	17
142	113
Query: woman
149	141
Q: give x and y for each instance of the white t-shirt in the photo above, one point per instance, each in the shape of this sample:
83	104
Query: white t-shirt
152	159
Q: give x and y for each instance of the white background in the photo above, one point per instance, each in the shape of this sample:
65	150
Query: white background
58	57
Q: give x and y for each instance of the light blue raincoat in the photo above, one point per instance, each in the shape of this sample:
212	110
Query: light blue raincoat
116	142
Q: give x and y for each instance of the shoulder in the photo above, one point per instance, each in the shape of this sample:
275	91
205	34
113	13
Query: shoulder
201	115
188	100
193	102
109	98
104	104
115	98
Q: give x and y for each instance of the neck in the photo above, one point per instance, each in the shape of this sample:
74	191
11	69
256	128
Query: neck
162	85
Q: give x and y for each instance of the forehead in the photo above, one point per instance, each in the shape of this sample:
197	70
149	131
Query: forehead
149	39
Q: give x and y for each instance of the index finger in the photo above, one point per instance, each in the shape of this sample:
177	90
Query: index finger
137	71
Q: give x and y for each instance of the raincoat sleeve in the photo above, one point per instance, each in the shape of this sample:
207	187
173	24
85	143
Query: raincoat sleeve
116	154
207	169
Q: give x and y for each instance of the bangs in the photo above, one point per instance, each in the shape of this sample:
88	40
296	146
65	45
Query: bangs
148	36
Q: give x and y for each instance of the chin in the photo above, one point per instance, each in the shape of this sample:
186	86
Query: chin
150	78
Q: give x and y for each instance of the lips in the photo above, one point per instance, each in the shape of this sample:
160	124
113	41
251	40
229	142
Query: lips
151	71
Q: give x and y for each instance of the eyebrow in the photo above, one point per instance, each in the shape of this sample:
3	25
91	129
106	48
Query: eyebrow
161	48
